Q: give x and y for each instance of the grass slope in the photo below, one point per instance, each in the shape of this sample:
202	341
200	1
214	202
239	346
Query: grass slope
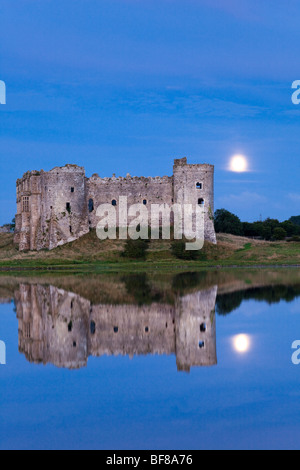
89	251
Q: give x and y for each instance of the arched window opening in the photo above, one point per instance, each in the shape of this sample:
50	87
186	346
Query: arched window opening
199	186
93	327
91	205
114	202
201	202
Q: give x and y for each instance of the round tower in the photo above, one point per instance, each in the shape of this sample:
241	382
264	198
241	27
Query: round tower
194	184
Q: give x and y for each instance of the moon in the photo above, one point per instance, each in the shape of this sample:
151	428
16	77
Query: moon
238	164
241	343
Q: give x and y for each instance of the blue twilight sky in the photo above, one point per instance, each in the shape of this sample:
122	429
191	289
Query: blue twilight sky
127	85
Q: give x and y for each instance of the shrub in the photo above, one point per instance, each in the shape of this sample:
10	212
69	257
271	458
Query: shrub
135	249
179	251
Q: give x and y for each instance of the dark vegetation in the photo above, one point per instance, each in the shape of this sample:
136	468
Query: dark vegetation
227	303
269	229
136	249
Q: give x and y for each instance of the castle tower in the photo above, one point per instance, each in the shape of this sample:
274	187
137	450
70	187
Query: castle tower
28	210
194	184
51	208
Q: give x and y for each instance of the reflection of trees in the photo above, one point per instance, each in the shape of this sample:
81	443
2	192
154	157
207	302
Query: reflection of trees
139	287
184	281
227	303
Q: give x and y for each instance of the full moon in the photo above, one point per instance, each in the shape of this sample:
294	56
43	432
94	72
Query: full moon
238	164
241	343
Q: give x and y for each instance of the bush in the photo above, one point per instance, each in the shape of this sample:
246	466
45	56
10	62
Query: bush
295	238
135	249
179	251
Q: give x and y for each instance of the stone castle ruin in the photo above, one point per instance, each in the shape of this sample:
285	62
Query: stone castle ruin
59	206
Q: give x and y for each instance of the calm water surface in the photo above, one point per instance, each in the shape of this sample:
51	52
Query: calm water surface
188	361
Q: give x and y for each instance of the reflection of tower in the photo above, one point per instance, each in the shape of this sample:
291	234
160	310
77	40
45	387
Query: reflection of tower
52	326
196	329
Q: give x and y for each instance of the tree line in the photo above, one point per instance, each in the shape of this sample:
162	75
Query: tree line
269	229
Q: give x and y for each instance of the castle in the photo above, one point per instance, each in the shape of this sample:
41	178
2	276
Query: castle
59	206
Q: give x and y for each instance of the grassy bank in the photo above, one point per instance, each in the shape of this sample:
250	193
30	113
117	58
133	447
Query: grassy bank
90	252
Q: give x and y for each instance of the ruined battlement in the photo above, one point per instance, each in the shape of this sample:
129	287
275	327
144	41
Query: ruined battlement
59	206
141	179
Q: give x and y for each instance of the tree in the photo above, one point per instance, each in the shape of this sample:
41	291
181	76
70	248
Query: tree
279	233
295	220
266	232
226	222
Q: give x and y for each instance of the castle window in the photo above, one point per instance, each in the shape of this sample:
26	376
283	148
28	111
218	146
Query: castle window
93	327
26	330
201	202
114	202
203	327
91	205
116	329
144	202
72	190
199	185
25	204
70	327
147	329
74	344
71	230
68	207
201	344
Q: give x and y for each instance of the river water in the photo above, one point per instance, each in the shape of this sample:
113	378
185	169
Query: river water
192	360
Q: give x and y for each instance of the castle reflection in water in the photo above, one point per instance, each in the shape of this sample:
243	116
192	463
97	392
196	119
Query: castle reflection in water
64	329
